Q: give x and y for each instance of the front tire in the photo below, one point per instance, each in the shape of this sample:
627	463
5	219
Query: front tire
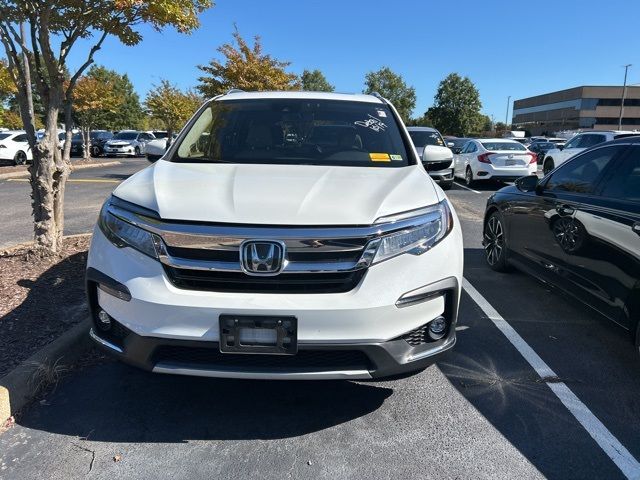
20	158
494	241
95	151
548	166
468	177
137	152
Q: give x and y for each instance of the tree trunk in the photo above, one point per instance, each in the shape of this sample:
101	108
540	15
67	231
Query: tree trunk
86	143
49	173
169	138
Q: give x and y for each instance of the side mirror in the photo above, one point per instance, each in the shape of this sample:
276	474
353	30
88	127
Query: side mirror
528	183
434	153
451	144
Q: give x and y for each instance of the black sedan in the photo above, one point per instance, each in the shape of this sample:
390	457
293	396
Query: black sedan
98	139
578	229
541	149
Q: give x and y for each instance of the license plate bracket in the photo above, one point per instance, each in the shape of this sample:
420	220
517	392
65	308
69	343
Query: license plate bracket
256	334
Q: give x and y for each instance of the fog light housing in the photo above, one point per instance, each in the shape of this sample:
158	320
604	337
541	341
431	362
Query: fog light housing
437	328
104	321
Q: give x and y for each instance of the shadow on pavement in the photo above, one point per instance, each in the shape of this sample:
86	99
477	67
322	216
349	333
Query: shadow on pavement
116	403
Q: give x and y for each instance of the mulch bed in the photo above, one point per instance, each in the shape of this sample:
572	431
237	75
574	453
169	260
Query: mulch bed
40	299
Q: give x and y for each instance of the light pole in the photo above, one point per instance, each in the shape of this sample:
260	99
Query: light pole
624	94
506	117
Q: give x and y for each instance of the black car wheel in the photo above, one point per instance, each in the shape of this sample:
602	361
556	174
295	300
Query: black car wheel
548	166
468	177
137	151
95	151
494	241
20	158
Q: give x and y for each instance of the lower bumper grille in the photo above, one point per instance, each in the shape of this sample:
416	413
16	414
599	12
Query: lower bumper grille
283	283
303	360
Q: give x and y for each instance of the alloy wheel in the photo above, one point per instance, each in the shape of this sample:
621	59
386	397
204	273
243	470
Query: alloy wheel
494	240
468	177
20	158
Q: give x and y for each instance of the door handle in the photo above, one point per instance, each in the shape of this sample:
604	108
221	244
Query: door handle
636	227
565	210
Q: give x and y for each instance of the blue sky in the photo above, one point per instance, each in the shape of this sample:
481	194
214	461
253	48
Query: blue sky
506	48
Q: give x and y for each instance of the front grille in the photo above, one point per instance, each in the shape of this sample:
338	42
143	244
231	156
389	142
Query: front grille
437	166
283	283
303	360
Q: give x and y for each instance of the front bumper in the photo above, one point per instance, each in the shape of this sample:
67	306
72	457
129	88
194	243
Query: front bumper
125	151
363	323
442	176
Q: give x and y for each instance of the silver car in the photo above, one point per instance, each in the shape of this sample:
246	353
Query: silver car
128	143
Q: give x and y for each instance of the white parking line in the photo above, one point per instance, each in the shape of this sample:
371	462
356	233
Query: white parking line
603	437
465	187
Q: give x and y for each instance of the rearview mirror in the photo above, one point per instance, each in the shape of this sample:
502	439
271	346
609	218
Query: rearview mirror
528	183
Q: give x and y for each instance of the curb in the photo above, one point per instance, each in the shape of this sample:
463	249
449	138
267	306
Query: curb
22	384
10	249
74	167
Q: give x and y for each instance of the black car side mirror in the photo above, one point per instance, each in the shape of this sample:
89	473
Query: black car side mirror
528	183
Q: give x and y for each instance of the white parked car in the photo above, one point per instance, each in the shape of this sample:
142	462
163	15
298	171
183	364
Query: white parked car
14	147
288	235
128	143
580	143
494	159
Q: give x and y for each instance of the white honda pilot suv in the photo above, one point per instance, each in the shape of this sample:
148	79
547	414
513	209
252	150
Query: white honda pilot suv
282	236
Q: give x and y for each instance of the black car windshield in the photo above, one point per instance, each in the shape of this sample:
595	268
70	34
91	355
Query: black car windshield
515	146
545	145
295	131
126	136
422	138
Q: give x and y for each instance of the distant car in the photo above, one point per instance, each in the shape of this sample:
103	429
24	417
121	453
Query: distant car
98	140
494	159
436	157
541	149
580	143
14	147
455	144
577	229
128	143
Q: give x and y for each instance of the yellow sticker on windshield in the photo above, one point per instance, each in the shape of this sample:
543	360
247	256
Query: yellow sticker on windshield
379	157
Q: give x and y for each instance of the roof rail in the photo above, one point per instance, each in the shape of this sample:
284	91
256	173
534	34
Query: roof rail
376	94
234	90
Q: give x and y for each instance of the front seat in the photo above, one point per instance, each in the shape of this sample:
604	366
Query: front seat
350	140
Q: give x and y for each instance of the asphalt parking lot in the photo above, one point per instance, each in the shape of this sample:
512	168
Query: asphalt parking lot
537	386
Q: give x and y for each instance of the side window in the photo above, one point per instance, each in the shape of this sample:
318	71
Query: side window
590	140
573	143
20	138
581	174
472	147
624	182
464	148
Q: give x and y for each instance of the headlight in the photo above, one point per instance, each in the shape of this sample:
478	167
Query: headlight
435	223
124	234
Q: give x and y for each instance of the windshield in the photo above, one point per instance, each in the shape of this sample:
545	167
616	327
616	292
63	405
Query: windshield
160	134
422	138
126	136
510	146
295	131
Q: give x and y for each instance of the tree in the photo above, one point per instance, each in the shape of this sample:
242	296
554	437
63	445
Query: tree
392	87
55	29
246	68
315	81
94	100
174	107
128	113
7	86
456	108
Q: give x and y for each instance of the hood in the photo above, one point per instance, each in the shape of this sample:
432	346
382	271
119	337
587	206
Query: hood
277	194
